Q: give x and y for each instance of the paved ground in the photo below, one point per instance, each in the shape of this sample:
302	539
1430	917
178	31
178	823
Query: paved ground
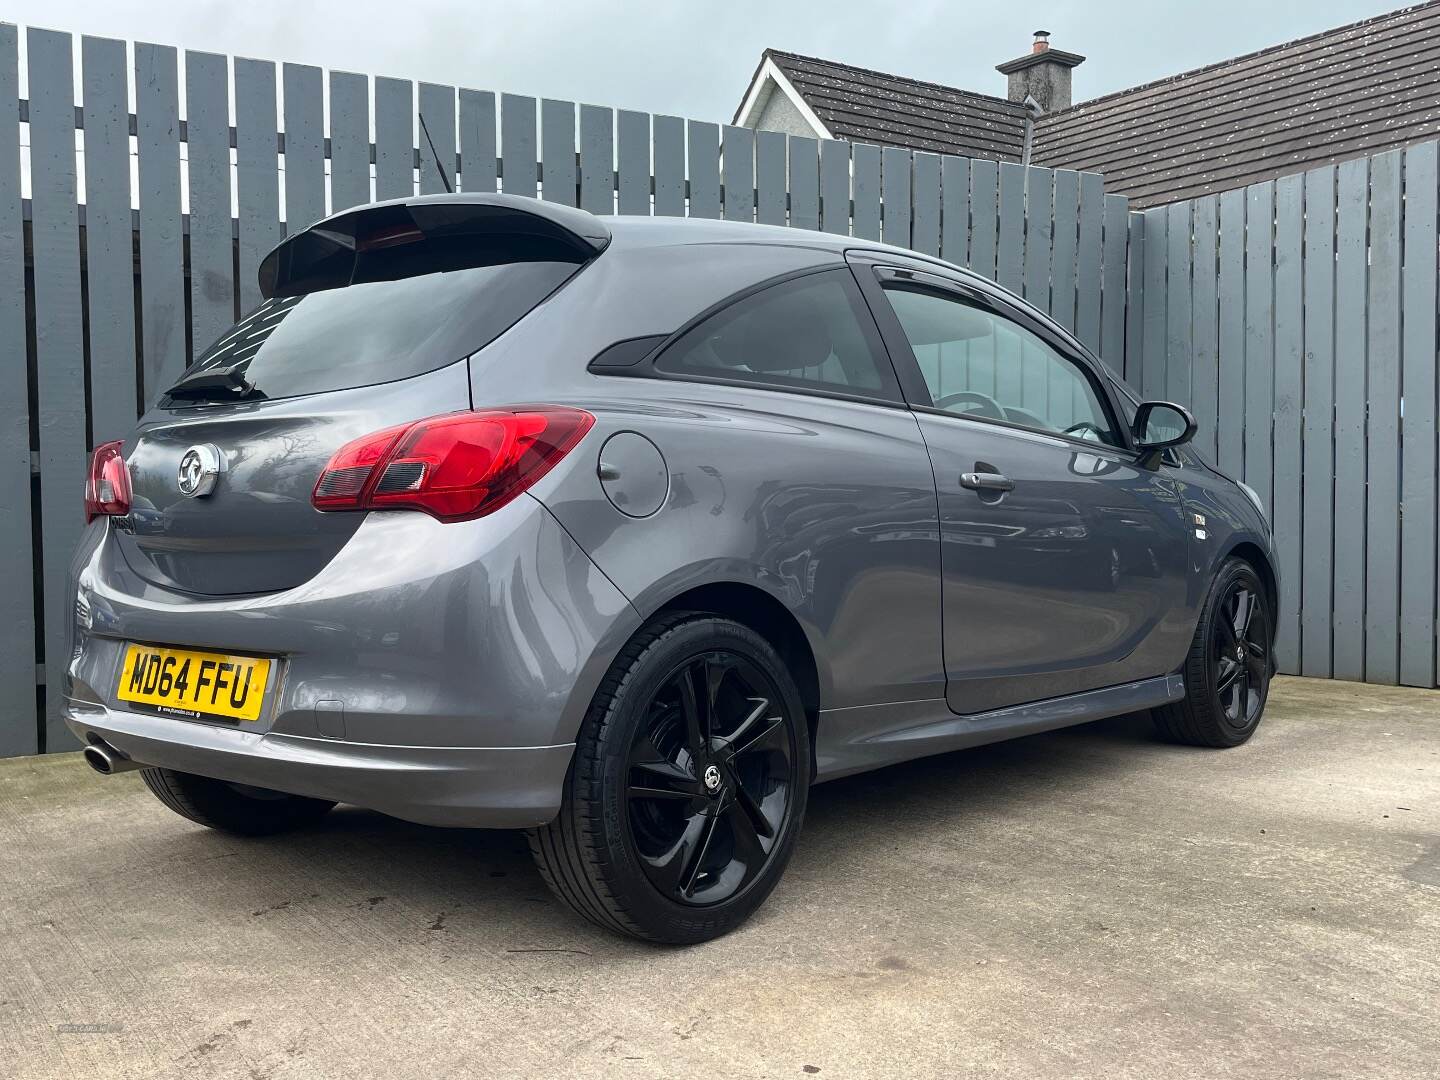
1081	904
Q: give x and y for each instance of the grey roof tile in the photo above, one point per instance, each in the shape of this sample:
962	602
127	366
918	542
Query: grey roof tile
1355	90
1344	93
870	106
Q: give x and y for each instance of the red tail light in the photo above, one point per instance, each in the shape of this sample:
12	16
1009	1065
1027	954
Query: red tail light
453	467
107	489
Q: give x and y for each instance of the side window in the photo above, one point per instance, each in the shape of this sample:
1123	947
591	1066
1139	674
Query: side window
808	333
978	363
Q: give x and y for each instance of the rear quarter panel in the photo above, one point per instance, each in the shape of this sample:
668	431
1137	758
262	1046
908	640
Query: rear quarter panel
827	505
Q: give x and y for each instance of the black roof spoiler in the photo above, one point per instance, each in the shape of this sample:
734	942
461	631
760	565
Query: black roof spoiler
403	237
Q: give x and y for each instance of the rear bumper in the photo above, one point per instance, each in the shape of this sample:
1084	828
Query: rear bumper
436	672
493	632
509	787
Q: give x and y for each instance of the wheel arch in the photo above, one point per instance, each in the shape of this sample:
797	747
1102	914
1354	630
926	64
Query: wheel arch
1257	557
752	606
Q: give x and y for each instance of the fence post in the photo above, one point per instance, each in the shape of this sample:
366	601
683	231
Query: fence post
350	141
305	143
19	733
1204	322
558	182
1418	494
1289	396
1351	277
632	195
436	139
804	183
212	244
59	355
1317	510
558	176
478	160
110	239
597	159
256	167
517	148
669	155
1382	371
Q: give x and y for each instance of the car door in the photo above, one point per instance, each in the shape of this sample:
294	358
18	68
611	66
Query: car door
1063	558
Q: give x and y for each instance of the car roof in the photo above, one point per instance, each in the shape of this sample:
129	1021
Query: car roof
647	231
650	231
641	231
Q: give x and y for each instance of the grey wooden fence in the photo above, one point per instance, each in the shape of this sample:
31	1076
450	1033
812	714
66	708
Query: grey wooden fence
112	277
1297	317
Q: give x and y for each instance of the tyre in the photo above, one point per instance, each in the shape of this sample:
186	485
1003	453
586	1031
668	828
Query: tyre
233	808
688	786
1227	672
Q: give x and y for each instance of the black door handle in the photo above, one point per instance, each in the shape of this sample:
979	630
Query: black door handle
986	481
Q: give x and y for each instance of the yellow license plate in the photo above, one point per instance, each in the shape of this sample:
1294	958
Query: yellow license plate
177	682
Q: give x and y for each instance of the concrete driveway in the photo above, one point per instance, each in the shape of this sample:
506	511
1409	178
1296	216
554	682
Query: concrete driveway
1086	903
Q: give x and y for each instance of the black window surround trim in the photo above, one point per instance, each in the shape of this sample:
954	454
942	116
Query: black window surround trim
629	351
875	338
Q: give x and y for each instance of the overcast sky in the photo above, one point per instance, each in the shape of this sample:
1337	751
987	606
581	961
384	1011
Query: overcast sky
695	59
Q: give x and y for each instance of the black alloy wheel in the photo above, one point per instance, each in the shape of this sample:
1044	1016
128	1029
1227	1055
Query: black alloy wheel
688	786
1241	644
1227	671
711	778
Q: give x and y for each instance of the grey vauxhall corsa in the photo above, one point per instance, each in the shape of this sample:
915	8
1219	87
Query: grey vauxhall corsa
627	531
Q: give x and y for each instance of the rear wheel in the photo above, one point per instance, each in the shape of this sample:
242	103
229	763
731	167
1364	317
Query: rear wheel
1227	674
688	786
233	808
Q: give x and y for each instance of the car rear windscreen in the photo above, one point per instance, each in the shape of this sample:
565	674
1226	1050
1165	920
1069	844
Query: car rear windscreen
378	331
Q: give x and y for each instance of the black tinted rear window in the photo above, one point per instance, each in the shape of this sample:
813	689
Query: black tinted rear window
809	333
379	331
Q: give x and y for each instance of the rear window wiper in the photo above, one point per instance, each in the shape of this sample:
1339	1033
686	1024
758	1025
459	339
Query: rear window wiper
216	384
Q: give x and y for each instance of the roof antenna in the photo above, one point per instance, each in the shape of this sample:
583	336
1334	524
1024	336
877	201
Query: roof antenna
438	164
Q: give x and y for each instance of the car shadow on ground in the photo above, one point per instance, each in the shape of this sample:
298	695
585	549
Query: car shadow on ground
357	858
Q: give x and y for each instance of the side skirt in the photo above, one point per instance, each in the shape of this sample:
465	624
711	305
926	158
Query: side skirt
870	736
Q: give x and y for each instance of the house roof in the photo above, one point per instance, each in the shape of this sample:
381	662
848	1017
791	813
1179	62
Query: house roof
1343	93
861	105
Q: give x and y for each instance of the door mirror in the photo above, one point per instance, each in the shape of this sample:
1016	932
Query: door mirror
1160	425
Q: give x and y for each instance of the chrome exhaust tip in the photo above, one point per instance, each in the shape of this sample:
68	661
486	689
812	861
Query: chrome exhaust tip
106	760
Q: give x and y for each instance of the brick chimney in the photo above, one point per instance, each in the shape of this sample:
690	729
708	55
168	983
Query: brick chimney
1043	74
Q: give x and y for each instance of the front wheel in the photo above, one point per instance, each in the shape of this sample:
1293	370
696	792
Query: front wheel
688	786
1227	673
